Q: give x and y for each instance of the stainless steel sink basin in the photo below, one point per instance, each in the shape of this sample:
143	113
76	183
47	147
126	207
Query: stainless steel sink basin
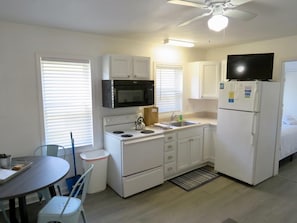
181	124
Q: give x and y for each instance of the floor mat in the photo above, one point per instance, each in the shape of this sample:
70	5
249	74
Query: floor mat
195	178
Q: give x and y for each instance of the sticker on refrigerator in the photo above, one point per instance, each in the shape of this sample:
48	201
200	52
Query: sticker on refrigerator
221	86
231	97
247	92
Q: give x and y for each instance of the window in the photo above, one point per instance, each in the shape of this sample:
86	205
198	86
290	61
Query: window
67	101
169	87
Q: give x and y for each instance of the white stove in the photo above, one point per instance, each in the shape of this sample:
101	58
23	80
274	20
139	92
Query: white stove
124	128
136	161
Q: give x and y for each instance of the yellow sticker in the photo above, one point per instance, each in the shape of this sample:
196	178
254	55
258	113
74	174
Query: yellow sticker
231	97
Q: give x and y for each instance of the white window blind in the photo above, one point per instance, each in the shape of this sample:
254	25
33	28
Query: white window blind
169	87
67	101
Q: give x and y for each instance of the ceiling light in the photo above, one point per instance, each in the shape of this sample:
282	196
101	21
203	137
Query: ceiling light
217	23
173	42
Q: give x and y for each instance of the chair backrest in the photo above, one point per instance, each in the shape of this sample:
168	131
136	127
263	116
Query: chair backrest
80	187
50	150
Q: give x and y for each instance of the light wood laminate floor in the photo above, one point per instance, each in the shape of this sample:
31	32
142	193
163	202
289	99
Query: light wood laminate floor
222	200
273	201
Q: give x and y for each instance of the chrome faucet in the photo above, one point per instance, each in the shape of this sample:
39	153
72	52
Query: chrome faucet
173	116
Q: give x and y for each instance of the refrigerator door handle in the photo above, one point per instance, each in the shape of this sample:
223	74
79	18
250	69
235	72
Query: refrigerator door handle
253	130
256	100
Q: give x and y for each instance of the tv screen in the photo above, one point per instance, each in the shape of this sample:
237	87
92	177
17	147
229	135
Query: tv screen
247	67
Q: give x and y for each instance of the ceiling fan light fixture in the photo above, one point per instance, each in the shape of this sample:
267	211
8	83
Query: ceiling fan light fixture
174	42
217	23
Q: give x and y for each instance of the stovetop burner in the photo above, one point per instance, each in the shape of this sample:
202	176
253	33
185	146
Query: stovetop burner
127	135
118	132
147	131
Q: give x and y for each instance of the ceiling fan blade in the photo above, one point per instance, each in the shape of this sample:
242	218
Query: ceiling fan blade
239	14
187	3
236	3
194	19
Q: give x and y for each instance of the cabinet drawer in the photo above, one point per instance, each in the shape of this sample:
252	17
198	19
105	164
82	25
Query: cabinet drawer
169	156
190	132
169	146
170	137
169	169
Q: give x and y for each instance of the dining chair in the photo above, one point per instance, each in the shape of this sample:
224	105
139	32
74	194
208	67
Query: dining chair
67	209
49	150
4	212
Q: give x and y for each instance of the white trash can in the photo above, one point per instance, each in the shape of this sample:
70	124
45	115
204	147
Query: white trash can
98	176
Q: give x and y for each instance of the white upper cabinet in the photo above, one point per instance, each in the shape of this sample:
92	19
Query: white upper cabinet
205	79
224	70
141	68
125	67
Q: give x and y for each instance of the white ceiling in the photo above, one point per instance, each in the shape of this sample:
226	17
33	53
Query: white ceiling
154	20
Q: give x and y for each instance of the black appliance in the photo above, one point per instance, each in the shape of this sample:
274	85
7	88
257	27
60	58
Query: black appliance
247	67
127	93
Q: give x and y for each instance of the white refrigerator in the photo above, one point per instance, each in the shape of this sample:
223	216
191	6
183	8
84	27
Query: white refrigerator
247	130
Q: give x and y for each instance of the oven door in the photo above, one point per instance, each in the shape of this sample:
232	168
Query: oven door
142	154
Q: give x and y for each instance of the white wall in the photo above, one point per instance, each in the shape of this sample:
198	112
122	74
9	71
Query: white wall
283	48
20	123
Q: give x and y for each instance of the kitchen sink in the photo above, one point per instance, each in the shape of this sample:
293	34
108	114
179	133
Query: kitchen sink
182	123
179	124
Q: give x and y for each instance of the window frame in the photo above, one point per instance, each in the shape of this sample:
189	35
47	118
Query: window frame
169	65
66	57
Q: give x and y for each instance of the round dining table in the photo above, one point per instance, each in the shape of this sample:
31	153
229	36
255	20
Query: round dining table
43	172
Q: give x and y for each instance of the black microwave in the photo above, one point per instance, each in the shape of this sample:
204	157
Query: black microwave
127	93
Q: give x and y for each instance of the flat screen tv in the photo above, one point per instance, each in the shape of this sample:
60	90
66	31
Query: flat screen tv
246	67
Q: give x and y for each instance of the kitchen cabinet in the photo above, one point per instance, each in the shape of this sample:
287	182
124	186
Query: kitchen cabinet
189	148
205	79
125	67
224	70
209	137
169	154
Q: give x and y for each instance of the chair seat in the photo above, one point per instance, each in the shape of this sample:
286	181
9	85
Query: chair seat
57	203
67	209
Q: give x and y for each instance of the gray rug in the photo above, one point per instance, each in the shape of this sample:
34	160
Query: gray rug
195	178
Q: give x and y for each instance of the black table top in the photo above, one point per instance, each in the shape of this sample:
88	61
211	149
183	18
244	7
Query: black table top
45	171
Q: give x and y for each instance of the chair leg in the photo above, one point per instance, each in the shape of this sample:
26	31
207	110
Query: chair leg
4	213
83	215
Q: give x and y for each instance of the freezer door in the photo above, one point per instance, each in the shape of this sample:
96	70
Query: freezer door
240	95
235	145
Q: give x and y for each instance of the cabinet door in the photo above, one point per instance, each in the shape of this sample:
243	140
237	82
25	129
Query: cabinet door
189	152
223	70
183	154
120	66
141	68
210	78
209	137
195	150
205	79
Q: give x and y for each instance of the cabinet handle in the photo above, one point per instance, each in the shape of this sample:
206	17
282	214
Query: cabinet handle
170	137
170	168
169	157
169	147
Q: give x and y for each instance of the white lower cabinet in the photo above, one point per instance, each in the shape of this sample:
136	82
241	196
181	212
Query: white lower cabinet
209	138
189	148
170	155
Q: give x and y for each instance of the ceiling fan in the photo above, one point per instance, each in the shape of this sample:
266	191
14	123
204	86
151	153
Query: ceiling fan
220	10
